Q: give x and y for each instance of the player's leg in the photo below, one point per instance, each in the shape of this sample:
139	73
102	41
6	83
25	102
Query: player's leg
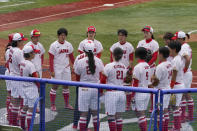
53	96
120	108
110	109
15	110
166	113
23	114
183	108
129	97
66	75
84	97
8	104
29	117
76	111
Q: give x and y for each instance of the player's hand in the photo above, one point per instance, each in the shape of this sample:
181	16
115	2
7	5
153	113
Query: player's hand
52	74
154	80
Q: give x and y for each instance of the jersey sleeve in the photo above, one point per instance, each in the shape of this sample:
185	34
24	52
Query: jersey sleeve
52	49
101	65
32	69
131	49
158	72
70	48
100	47
139	44
112	48
176	65
155	47
184	51
136	73
77	68
80	48
106	70
19	57
42	49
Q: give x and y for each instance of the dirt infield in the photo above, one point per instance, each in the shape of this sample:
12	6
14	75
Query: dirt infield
52	13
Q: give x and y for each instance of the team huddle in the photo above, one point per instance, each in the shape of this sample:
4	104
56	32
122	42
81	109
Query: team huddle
172	72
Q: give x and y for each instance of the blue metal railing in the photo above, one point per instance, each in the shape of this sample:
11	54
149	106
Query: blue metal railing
79	84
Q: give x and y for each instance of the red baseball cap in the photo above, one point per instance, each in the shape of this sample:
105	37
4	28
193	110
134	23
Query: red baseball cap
179	34
148	29
91	28
35	32
10	37
19	36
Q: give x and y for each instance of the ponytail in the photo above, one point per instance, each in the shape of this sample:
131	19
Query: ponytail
152	36
91	62
188	36
8	46
14	43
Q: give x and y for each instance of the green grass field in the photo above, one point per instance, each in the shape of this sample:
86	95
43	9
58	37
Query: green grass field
35	4
162	15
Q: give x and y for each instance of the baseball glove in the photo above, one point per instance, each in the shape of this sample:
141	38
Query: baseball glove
149	56
154	80
128	77
173	99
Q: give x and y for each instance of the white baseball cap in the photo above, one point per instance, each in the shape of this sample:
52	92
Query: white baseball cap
19	36
28	49
88	46
179	34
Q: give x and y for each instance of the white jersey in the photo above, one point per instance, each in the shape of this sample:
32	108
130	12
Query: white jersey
178	65
164	74
141	72
81	68
170	58
186	50
39	52
61	54
98	46
115	73
127	50
153	46
27	68
15	58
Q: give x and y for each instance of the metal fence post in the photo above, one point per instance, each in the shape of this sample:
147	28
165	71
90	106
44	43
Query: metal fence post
98	110
156	108
42	106
161	110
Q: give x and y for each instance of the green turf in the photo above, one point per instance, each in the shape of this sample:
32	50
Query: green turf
36	4
163	15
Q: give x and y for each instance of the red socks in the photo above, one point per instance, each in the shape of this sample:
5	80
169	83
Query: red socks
119	124
8	103
142	123
95	123
112	125
129	96
14	115
22	119
183	110
177	122
9	113
165	124
66	93
29	116
82	123
52	97
190	104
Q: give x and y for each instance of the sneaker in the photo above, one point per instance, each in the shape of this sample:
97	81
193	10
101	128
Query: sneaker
69	107
53	108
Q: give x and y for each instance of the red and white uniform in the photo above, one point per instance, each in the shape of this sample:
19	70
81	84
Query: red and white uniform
163	72
15	58
87	96
39	56
30	90
178	65
115	100
153	46
60	54
7	73
141	78
97	50
128	51
186	50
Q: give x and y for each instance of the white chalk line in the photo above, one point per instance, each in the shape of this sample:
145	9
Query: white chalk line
58	14
16	4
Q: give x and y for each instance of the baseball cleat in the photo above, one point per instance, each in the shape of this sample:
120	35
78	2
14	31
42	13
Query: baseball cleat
69	107
53	108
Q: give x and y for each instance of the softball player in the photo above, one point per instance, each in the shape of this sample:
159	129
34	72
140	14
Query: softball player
127	58
30	89
186	54
88	68
115	73
167	39
141	78
60	53
163	75
15	58
7	73
38	49
91	33
177	79
150	44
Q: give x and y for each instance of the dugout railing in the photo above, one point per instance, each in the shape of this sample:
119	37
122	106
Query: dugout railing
43	83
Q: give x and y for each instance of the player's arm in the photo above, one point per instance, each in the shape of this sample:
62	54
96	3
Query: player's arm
51	64
72	58
36	75
111	57
154	58
173	80
187	62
